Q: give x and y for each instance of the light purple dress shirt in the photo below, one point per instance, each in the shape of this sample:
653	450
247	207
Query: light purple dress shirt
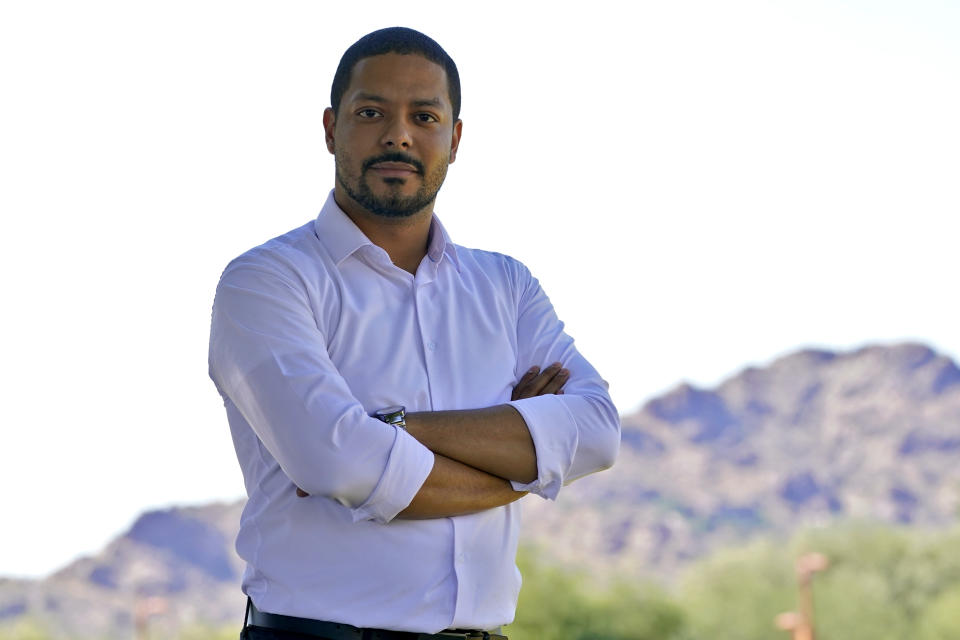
314	331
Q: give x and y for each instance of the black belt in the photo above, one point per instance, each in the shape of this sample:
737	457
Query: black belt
339	631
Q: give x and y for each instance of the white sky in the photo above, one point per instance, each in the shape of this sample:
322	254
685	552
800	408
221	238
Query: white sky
698	185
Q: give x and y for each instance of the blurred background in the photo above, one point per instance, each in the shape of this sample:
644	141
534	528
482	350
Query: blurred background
745	212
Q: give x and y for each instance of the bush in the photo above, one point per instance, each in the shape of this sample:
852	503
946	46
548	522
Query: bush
882	582
557	604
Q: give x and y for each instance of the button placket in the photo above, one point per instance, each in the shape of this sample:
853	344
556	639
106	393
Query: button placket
463	587
425	324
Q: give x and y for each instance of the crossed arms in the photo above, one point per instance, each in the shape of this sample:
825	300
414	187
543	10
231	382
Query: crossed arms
478	452
269	361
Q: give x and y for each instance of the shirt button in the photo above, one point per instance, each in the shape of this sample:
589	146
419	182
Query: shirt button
432	345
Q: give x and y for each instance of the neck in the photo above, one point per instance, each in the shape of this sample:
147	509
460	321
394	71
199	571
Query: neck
404	239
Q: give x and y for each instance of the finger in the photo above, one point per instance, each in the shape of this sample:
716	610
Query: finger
520	388
555	385
535	388
528	376
301	493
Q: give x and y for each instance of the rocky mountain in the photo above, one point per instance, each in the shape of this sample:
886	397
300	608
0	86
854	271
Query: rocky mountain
812	438
173	568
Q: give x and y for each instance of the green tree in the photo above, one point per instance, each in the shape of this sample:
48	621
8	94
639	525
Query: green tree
206	632
558	604
735	595
882	582
941	619
26	629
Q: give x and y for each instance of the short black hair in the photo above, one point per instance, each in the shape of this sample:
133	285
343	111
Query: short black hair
395	40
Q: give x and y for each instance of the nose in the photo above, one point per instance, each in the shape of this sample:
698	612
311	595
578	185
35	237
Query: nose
396	135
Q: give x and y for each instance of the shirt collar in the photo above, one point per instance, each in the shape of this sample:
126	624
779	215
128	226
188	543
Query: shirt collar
342	238
440	244
337	233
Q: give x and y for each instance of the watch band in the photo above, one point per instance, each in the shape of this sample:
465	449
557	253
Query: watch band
396	415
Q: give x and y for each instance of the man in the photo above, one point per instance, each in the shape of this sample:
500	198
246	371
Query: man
382	384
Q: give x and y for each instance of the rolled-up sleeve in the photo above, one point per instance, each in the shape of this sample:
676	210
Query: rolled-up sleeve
268	357
576	433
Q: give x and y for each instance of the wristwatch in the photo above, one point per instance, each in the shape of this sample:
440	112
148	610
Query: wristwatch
397	416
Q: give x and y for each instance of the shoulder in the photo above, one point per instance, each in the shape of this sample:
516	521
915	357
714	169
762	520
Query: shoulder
294	254
291	273
507	274
491	263
294	266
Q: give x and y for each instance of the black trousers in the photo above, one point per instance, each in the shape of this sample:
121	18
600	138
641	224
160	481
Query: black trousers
259	633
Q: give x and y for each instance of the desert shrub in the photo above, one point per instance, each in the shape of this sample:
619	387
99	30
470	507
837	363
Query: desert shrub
562	604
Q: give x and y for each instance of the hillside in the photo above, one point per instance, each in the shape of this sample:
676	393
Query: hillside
810	439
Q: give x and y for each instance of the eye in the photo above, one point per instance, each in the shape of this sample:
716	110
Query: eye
368	113
426	117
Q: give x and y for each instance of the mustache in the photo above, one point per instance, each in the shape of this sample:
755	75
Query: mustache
393	156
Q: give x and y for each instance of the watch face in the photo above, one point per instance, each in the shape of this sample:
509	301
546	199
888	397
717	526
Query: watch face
392	415
386	411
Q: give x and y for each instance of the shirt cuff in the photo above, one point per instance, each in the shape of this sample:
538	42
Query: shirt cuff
407	468
555	438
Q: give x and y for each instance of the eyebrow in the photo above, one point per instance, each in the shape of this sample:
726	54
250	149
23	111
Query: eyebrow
370	97
423	102
432	102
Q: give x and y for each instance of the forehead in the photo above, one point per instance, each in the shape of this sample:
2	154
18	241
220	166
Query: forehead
399	77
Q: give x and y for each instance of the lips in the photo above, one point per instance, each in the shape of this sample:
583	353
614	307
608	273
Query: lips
394	170
394	166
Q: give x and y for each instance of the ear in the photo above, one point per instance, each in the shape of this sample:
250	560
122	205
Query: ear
329	119
455	139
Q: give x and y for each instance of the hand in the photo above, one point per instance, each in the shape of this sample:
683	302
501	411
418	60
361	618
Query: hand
541	383
533	383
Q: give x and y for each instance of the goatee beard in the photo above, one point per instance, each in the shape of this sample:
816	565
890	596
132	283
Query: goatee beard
393	205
